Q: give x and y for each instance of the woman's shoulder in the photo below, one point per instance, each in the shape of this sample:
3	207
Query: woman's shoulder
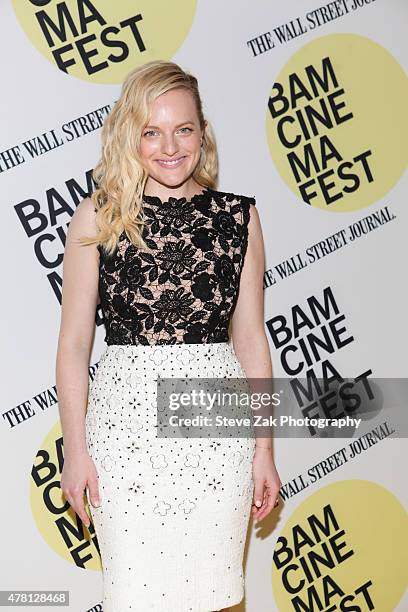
87	204
233	195
85	210
83	218
238	204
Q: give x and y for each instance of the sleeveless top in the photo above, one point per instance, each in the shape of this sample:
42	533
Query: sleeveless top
185	291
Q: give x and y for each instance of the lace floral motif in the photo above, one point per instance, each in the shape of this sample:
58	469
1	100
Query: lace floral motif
184	292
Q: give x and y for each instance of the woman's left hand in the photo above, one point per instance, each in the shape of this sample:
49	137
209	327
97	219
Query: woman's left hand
267	483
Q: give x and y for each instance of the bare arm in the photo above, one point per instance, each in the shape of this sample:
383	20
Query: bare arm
79	301
248	326
252	349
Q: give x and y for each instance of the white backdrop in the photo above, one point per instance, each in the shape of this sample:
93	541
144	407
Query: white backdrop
50	127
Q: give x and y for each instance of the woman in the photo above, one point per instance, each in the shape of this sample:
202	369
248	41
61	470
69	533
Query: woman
164	252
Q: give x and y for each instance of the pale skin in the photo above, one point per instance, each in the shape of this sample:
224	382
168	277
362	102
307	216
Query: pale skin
173	132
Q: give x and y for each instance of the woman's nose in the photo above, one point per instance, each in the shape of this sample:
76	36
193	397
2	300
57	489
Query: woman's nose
169	145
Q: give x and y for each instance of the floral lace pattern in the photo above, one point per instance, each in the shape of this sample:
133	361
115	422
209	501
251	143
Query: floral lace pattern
185	291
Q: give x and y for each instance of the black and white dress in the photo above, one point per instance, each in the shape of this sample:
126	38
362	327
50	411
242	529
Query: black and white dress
173	520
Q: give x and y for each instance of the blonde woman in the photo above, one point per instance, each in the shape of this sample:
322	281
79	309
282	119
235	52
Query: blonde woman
176	265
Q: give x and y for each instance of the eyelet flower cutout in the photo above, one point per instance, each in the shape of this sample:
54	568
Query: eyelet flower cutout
236	458
161	508
158	462
113	402
248	488
134	380
221	356
245	488
187	506
120	356
192	460
134	425
185	357
161	406
108	463
157	357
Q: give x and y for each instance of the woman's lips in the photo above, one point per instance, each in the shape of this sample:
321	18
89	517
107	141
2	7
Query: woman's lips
170	163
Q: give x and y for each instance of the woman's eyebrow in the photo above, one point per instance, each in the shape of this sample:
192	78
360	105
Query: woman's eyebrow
177	126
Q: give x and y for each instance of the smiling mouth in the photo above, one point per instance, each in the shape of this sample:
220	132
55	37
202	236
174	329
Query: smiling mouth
170	163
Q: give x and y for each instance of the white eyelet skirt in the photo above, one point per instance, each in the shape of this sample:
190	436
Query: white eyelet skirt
174	512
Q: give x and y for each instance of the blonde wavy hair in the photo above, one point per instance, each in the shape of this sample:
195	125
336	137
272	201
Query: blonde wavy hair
120	175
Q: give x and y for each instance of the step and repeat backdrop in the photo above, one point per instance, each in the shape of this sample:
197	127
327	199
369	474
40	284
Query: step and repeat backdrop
309	103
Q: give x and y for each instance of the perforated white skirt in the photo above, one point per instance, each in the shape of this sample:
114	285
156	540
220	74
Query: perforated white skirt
174	515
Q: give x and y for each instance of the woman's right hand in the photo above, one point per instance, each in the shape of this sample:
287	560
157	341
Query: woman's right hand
78	473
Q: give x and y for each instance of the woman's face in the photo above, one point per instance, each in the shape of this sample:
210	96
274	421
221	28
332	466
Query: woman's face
171	141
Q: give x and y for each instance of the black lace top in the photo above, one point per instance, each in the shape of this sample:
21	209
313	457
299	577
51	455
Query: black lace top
184	292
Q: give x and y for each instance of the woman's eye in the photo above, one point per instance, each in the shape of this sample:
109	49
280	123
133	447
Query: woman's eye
149	132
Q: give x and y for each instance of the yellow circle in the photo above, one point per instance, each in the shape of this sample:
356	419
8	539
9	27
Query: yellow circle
336	122
344	544
102	41
56	521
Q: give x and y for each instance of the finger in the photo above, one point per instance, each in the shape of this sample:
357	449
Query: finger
79	508
94	495
264	502
67	496
268	507
258	493
257	511
273	502
264	505
263	496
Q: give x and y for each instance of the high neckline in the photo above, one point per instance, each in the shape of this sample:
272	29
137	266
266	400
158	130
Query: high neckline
153	199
